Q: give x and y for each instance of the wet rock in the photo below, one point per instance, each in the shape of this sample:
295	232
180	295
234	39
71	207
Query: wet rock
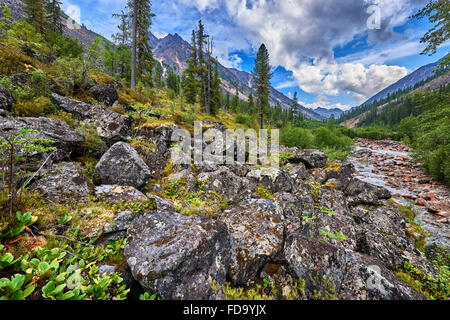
121	165
110	126
105	93
116	193
311	158
64	183
256	230
179	256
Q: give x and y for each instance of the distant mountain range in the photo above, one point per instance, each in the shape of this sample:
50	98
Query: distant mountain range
173	52
327	113
421	74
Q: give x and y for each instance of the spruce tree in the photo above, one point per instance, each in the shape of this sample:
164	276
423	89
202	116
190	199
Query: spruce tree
54	16
36	14
251	104
142	56
190	83
262	76
216	93
202	68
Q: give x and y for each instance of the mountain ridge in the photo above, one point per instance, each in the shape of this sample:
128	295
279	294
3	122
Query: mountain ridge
173	51
420	74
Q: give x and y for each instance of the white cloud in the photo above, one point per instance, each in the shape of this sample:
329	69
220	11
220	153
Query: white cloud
230	61
298	32
334	79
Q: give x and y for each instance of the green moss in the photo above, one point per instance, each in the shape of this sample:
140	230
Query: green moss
432	288
264	193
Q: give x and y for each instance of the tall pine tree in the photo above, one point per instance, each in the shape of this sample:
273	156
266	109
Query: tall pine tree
262	76
36	14
54	16
142	56
190	82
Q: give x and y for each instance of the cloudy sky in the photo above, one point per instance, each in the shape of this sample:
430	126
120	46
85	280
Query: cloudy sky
334	53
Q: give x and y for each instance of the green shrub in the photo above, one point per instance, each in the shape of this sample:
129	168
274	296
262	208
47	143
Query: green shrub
296	137
245	119
34	108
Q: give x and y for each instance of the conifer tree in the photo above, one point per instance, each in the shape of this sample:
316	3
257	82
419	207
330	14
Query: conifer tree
123	36
202	68
190	82
54	16
141	51
251	104
262	76
36	15
235	102
216	93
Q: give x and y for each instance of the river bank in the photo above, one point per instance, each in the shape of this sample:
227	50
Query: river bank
389	164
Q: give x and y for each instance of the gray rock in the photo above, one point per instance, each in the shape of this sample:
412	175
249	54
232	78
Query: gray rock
227	184
105	93
117	229
297	172
106	269
121	165
67	141
116	193
342	176
6	100
256	230
111	126
360	192
64	183
311	158
273	179
162	204
178	256
349	275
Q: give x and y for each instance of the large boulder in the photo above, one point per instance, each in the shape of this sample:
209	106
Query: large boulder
6	101
64	183
273	179
179	256
360	192
105	93
310	157
256	230
110	126
225	183
328	270
121	165
66	140
153	144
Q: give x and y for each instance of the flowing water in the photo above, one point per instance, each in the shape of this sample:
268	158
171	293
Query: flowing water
388	165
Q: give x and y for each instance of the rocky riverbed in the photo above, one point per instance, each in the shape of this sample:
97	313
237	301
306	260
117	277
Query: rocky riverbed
389	164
